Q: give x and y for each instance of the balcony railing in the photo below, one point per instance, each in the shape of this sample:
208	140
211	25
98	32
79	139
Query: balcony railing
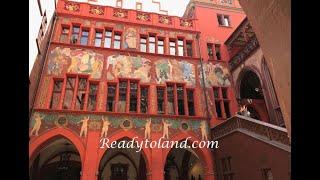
265	131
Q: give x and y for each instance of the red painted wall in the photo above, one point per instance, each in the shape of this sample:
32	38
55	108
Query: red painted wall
249	156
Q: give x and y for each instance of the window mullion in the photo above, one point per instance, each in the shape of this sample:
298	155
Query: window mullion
128	97
86	96
75	93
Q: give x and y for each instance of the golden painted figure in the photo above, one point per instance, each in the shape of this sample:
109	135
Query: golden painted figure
203	129
37	124
105	127
84	127
147	129
166	126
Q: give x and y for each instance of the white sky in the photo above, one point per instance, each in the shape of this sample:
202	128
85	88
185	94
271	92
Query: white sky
174	8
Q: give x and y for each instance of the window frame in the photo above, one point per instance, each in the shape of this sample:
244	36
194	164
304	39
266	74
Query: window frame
221	101
223	17
66	34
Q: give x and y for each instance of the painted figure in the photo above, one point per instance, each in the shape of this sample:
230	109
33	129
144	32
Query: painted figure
147	130
166	126
37	124
131	38
84	127
203	129
105	127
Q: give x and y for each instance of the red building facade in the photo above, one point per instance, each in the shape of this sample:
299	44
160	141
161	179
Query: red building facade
109	71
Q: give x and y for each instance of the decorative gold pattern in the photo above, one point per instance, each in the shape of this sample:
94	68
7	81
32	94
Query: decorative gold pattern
186	23
120	13
71	6
96	10
143	16
165	20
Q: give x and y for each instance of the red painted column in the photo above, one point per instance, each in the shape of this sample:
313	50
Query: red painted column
157	164
90	169
152	99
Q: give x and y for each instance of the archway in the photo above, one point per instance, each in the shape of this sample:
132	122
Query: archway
251	93
183	164
57	159
122	164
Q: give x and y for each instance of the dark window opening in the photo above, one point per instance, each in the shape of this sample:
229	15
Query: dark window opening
210	50
80	98
216	93
226	109
92	100
224	93
133	96
180	94
144	100
223	20
122	96
111	97
190	102
218	53
189	48
160	100
170	97
218	109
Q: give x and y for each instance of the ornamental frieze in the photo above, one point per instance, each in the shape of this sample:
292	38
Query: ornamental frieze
186	23
165	19
107	125
96	10
120	13
242	55
71	6
143	16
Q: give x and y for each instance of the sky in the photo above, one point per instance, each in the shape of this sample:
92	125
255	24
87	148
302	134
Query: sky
174	8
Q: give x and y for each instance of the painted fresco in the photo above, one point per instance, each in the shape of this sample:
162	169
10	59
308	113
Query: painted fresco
120	66
173	70
130	38
108	125
63	60
215	75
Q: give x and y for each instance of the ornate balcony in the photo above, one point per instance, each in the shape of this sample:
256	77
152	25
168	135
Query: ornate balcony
264	131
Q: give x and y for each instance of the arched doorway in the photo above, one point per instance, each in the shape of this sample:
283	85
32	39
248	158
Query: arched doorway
183	164
251	94
122	164
58	159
